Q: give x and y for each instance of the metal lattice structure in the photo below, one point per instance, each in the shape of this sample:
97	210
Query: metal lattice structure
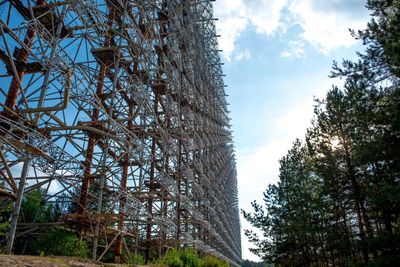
116	109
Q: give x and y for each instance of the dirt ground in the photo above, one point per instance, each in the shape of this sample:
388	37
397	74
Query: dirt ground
34	261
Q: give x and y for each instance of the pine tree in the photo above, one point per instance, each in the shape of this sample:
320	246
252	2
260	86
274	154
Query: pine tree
337	202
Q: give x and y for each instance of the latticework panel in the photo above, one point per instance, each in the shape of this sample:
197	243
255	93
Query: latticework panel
116	110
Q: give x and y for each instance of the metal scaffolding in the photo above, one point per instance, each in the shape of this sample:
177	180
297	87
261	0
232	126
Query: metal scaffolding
116	110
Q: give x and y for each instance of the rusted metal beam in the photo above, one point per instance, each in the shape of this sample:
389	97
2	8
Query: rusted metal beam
92	138
15	86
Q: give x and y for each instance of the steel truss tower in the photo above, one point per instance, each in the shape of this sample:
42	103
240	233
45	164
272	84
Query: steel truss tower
116	110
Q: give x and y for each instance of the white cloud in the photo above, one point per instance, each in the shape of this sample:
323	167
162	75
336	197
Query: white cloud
296	49
265	15
323	28
234	17
323	25
232	21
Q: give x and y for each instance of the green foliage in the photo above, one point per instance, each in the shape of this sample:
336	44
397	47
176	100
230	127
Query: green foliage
134	258
247	263
212	261
32	208
337	202
109	257
156	264
173	258
189	258
61	243
4	227
5	213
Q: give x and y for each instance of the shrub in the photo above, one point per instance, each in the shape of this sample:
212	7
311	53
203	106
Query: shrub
212	261
189	258
134	258
157	263
5	213
108	257
172	258
62	243
4	228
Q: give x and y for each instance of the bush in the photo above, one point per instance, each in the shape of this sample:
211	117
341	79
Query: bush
4	228
157	263
134	258
189	258
212	261
5	213
108	257
61	243
172	258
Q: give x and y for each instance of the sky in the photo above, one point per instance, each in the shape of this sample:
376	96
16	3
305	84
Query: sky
277	57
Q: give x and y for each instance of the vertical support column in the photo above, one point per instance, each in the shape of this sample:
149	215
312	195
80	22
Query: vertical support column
17	208
100	202
124	179
150	203
165	204
152	190
10	102
121	215
92	137
178	177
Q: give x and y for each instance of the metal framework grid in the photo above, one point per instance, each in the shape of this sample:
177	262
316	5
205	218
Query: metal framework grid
117	108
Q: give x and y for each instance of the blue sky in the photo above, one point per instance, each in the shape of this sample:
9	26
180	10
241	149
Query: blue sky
278	55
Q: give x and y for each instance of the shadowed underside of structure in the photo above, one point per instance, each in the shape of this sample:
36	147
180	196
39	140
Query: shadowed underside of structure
116	110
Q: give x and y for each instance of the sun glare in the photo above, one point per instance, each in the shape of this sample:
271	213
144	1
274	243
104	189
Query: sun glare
335	142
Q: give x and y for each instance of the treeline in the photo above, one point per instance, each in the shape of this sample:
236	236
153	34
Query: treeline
337	202
248	263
